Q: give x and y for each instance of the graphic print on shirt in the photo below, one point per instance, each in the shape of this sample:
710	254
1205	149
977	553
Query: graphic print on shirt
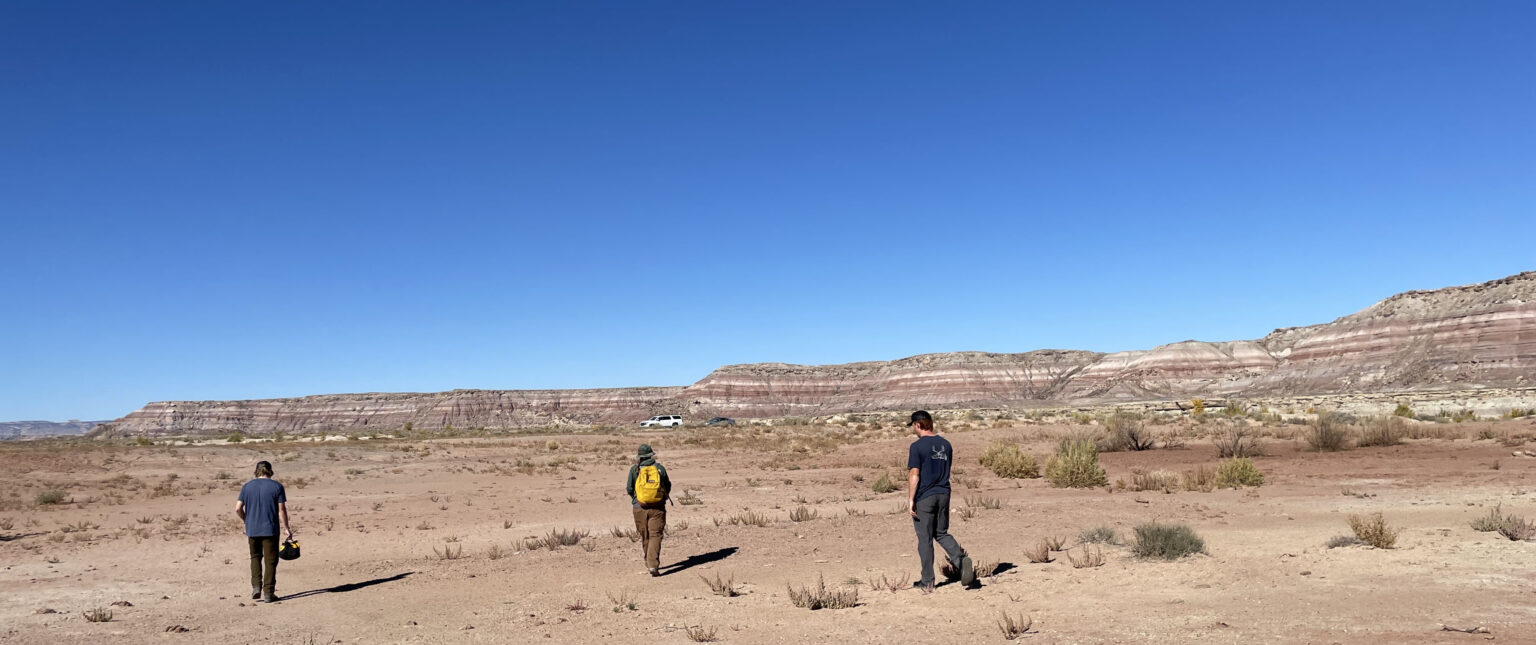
939	453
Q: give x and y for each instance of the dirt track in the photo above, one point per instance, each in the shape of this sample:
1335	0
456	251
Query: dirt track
373	514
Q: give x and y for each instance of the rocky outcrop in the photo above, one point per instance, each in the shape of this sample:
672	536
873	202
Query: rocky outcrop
1476	336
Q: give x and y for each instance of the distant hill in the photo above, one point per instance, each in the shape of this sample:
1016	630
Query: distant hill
21	430
1464	338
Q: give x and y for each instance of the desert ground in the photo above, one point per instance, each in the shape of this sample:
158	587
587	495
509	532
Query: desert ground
437	540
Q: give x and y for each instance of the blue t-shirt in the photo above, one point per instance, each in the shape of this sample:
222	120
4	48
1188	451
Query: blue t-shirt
931	457
261	497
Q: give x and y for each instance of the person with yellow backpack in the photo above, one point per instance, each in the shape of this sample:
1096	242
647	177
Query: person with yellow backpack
649	491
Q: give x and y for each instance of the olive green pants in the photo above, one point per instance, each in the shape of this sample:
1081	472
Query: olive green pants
651	523
264	564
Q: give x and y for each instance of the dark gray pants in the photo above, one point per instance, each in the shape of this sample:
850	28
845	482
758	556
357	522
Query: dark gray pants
932	524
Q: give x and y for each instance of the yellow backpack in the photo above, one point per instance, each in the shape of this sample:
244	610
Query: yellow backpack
648	485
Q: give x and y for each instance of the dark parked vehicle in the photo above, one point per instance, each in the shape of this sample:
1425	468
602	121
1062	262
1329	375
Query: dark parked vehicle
720	421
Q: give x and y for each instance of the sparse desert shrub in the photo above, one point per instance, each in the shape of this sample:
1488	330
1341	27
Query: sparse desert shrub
689	499
722	587
1098	535
1237	473
1329	432
98	615
1055	543
1013	628
1159	480
449	552
576	605
51	497
1339	541
1007	461
632	534
966	513
1373	530
1040	553
700	634
1384	431
1125	432
978	501
1075	465
889	583
1512	527
1167	541
750	518
1202	479
557	538
624	599
1091	557
819	597
802	514
494	552
1403	410
235	438
1236	441
884	484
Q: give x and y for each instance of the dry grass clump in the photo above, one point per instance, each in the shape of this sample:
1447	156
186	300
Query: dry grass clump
1237	473
689	499
1091	557
449	552
558	538
624	599
1126	432
1013	628
749	518
1373	530
97	615
1008	461
1157	480
889	583
1512	527
1075	465
1040	553
632	534
722	586
884	484
1166	541
1234	441
1328	433
820	597
978	501
1202	479
495	552
700	634
51	497
803	514
1384	431
1098	535
1342	541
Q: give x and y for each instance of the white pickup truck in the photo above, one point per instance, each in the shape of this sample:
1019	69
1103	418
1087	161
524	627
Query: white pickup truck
662	421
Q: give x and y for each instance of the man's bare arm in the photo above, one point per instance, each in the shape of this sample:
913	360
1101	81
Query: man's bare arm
282	509
240	510
912	478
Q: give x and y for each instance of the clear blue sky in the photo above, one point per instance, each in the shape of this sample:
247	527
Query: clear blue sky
209	200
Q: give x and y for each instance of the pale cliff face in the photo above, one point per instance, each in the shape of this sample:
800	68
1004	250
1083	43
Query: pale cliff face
1480	335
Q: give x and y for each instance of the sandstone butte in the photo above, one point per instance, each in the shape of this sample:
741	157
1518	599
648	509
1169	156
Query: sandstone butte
1457	338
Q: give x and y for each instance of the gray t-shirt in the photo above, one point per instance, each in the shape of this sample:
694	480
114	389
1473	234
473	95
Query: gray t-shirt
261	497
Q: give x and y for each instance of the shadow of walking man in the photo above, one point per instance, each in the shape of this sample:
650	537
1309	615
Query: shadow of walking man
696	560
350	586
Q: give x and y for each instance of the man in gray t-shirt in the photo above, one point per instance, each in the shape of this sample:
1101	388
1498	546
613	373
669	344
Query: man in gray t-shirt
262	505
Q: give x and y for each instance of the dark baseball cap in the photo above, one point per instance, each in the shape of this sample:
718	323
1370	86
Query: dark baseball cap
920	415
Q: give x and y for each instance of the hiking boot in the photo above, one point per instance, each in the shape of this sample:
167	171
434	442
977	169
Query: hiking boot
925	587
255	592
654	572
967	571
269	597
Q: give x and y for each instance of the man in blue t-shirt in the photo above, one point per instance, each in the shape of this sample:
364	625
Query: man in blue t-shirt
262	503
928	463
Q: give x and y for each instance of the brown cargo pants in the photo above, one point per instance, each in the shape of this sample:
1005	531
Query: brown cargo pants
264	564
651	523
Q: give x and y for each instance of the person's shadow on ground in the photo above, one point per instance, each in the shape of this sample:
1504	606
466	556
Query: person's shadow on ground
350	586
696	560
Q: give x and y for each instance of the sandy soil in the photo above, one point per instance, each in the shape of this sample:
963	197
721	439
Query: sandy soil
373	515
